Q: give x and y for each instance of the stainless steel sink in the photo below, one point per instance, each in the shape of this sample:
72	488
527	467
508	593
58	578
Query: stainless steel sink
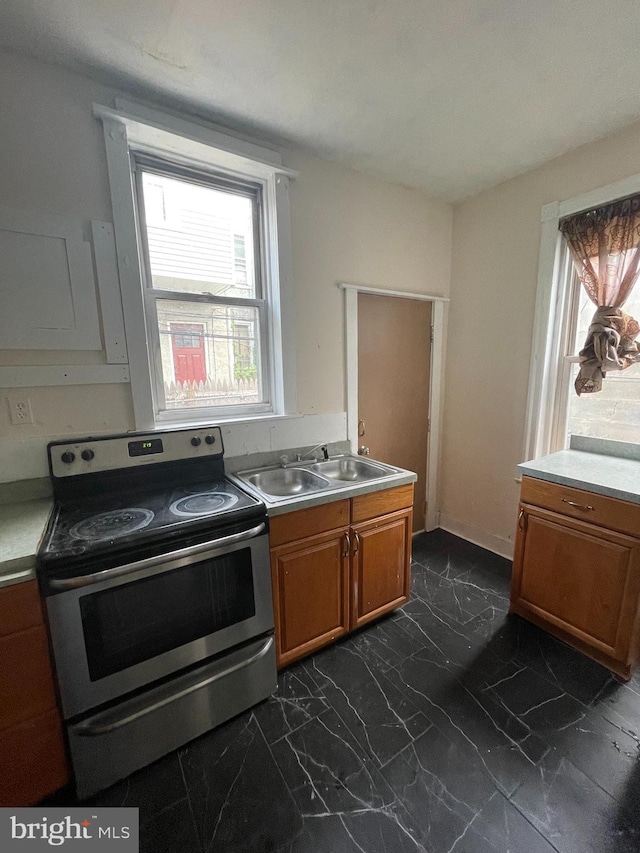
286	482
351	469
275	485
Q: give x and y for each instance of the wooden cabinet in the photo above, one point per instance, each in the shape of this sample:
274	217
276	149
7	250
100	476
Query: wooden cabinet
337	566
33	762
576	571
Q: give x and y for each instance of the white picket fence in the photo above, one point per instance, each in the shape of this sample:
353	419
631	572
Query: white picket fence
218	392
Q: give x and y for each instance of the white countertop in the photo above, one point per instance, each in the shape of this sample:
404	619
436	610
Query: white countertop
21	529
599	472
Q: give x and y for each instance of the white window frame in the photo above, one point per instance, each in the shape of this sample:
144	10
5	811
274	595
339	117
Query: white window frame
546	412
155	296
133	128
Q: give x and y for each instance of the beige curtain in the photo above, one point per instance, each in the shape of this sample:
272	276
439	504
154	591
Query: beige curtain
605	247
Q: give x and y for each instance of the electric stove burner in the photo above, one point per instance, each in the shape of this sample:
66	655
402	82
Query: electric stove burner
111	525
199	488
204	503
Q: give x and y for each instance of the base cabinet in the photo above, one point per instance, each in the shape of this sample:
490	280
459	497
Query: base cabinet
576	578
337	566
33	761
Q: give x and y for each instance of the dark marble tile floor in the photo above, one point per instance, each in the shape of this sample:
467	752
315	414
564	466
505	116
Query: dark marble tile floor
447	727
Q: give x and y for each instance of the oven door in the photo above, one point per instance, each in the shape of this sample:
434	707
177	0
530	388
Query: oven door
121	629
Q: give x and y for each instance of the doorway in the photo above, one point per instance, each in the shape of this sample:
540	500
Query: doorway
395	348
394	356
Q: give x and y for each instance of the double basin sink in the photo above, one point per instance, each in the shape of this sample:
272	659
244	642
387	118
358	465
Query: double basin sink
307	478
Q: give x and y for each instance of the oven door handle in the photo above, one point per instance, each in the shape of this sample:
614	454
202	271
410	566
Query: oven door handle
159	560
110	722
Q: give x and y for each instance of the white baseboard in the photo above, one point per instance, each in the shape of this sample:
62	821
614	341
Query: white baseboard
496	544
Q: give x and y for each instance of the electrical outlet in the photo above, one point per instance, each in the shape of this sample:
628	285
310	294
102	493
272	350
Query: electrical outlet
20	410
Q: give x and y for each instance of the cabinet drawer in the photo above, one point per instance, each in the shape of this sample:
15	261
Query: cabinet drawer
26	683
586	506
369	506
308	522
19	608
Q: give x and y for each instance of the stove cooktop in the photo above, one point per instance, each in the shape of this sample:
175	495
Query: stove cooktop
114	522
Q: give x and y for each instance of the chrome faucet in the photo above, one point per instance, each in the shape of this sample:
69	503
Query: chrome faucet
302	457
322	447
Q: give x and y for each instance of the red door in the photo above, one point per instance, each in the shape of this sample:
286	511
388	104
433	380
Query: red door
187	343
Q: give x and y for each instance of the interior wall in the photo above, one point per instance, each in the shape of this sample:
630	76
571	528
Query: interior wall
345	227
493	290
348	227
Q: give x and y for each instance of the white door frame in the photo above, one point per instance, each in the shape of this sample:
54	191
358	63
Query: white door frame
351	292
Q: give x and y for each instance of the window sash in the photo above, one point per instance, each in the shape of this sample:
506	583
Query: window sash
141	164
153	296
162	413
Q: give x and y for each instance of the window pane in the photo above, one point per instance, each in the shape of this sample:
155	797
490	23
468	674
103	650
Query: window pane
200	238
586	309
210	354
614	412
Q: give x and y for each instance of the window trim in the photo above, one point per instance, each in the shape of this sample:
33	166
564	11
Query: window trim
139	129
544	421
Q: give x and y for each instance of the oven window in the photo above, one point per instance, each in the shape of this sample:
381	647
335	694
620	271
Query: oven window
136	621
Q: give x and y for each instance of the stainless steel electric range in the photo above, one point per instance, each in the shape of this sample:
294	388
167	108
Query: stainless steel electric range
155	572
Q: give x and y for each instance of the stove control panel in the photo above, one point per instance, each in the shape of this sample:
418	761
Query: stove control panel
111	453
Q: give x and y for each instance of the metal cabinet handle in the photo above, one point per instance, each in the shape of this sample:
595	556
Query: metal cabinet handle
575	505
151	562
356	540
361	428
347	545
521	519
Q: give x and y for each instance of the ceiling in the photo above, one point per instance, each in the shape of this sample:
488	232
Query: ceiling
450	96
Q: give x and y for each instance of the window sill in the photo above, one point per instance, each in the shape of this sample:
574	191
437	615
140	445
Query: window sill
260	417
605	447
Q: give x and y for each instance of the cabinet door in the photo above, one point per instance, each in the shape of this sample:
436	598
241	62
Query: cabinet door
26	685
310	593
381	556
578	578
33	761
